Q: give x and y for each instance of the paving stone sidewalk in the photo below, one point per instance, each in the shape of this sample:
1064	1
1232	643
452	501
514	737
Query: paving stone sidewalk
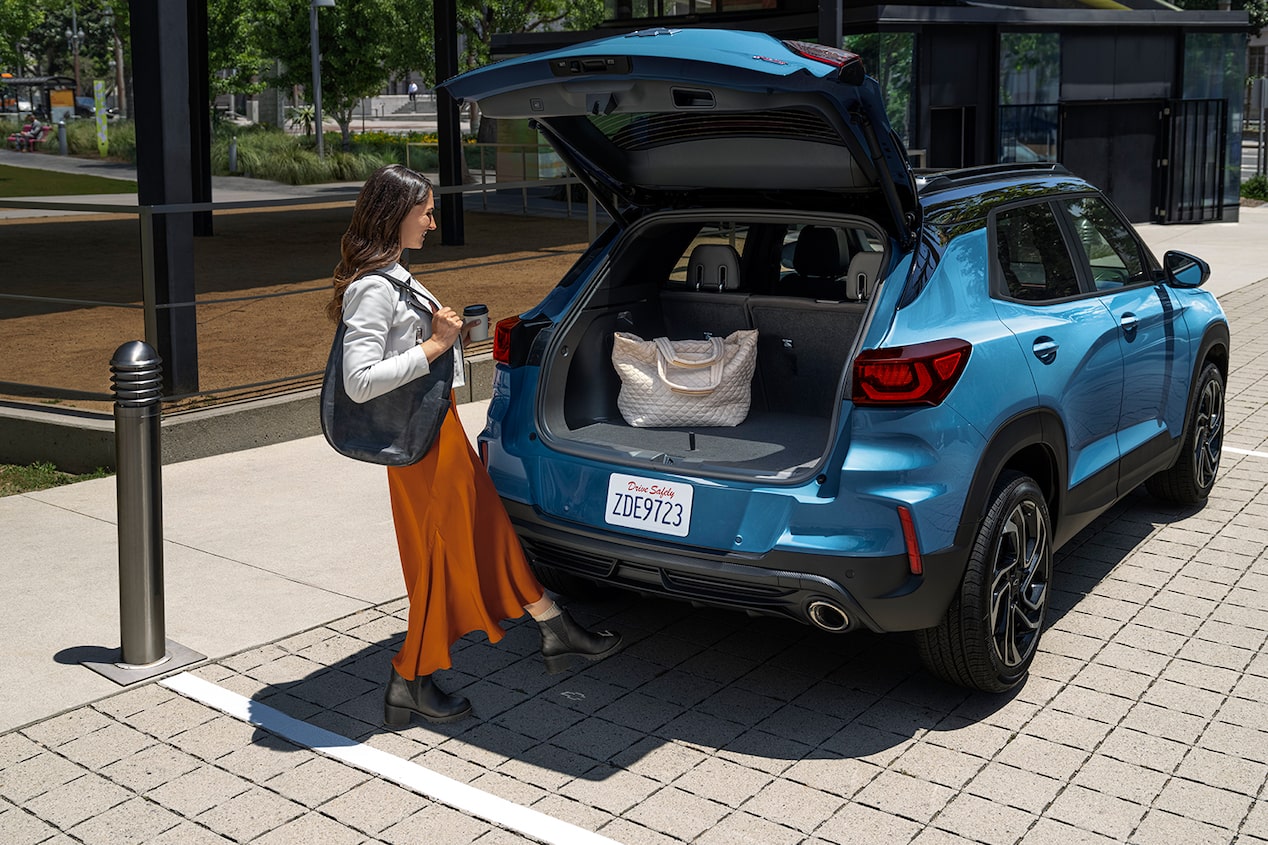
1145	719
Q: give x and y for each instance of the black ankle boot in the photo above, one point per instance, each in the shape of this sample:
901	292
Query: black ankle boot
423	697
563	639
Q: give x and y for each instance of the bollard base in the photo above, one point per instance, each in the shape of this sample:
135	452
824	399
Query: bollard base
123	674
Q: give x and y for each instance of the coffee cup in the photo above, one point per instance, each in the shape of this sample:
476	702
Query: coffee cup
480	314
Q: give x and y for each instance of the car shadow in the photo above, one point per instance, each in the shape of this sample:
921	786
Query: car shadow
1094	552
760	691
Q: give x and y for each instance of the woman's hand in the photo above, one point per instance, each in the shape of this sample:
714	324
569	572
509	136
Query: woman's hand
446	325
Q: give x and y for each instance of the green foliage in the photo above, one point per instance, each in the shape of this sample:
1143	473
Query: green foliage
1256	188
81	139
887	56
235	50
17	18
39	476
356	39
301	117
272	154
478	20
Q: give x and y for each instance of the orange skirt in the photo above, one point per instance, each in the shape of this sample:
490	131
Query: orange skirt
464	567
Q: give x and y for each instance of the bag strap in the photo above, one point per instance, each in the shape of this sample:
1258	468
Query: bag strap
404	287
665	356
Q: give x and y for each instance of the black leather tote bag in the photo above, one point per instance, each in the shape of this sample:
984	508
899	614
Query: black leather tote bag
397	428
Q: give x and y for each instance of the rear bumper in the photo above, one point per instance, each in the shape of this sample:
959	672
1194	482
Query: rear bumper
876	593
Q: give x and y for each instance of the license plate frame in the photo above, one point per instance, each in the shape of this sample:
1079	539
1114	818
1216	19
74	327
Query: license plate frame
649	504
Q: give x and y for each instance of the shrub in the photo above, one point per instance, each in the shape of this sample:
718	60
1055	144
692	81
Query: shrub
272	154
1256	188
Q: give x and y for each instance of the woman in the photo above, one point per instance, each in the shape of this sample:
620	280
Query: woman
464	567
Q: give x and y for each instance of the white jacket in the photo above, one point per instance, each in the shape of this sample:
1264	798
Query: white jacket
381	348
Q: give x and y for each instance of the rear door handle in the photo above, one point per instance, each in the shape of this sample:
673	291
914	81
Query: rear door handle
1128	324
1045	349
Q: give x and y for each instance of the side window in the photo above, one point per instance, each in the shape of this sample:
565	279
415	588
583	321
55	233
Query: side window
1033	261
1111	250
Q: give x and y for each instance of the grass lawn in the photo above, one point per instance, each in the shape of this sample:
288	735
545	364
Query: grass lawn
38	476
30	182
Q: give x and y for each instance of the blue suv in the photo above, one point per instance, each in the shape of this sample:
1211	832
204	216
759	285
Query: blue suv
954	373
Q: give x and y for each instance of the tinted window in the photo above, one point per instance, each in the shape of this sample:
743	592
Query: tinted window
1110	247
1033	261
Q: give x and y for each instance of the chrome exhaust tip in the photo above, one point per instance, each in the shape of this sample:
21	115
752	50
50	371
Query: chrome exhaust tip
828	616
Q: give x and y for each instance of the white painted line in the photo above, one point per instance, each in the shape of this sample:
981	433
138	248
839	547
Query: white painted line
1250	452
412	776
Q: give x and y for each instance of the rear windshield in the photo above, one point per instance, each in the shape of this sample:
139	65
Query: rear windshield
644	131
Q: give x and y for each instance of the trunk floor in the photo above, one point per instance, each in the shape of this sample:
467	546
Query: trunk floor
767	443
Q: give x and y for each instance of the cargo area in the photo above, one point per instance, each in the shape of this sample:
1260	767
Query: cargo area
805	289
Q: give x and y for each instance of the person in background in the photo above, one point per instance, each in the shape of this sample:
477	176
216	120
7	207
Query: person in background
464	567
30	133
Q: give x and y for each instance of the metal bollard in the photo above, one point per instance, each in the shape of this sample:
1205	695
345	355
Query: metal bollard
135	373
233	154
61	138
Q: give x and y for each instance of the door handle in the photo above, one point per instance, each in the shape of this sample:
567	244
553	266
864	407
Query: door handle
1045	349
1128	324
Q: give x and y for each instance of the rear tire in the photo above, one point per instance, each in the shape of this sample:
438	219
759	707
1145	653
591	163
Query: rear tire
990	632
1189	480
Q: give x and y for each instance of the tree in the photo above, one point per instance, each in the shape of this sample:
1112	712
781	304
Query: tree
236	56
363	43
478	20
17	19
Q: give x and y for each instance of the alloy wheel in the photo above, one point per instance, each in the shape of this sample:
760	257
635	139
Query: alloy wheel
1019	584
1208	439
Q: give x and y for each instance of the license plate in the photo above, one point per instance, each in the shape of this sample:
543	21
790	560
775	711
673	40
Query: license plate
661	506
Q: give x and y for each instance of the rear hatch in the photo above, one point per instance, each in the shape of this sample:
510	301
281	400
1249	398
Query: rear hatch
664	118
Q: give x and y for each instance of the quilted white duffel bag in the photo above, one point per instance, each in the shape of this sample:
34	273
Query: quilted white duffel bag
685	382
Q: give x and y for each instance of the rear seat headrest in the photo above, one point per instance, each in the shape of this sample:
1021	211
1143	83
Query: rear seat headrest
865	268
821	252
713	267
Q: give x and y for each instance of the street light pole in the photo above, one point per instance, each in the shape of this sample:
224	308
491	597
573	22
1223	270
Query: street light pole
312	19
120	98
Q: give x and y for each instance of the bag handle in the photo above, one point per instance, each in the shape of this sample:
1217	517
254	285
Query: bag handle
665	347
666	355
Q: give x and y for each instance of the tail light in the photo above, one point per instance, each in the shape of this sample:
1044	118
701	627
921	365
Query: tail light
850	66
502	339
920	374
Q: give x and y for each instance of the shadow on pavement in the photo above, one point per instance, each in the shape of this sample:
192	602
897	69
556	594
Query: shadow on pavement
718	681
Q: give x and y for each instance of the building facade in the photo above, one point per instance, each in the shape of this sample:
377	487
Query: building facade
1142	99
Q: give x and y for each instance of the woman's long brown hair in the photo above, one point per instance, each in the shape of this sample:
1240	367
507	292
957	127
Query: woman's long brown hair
373	239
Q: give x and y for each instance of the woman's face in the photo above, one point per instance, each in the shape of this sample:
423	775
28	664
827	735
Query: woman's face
417	223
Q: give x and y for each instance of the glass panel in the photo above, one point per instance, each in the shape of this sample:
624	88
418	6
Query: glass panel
1029	68
1029	83
1033	260
887	56
1027	133
1214	68
1110	248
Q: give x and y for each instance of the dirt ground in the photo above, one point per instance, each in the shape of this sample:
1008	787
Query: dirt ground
509	262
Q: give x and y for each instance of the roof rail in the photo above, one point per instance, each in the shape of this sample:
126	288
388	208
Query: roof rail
937	180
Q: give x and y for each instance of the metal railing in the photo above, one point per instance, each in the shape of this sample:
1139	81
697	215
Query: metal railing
151	307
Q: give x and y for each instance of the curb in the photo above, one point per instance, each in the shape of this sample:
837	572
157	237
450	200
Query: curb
83	441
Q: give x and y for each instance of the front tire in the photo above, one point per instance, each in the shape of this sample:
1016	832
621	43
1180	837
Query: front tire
1189	480
990	632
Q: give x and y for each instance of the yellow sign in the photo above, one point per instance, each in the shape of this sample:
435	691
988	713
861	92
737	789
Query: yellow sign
62	97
